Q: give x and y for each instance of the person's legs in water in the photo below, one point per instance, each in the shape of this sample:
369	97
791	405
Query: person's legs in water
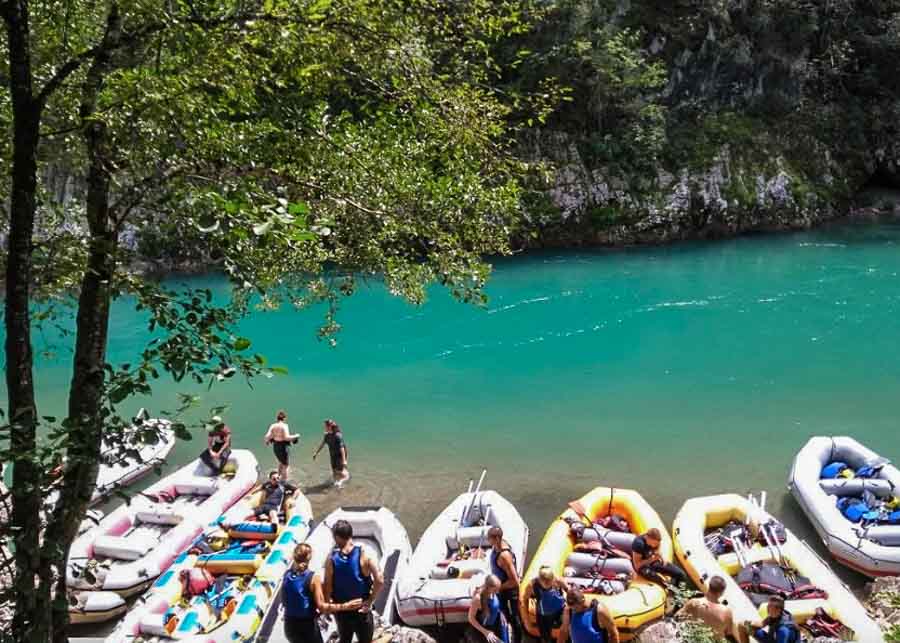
281	454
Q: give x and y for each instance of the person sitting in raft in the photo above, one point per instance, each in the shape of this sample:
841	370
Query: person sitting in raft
337	450
710	610
273	498
280	437
303	600
503	566
218	446
349	575
485	614
549	594
779	625
648	563
585	622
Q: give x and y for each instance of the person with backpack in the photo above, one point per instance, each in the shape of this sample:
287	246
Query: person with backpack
549	594
585	622
303	599
503	566
486	616
350	574
779	625
648	563
337	450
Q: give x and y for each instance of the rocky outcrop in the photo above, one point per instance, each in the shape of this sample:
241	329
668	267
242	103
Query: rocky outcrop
730	194
883	602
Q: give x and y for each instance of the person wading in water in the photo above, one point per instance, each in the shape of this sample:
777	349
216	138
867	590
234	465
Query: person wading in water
303	600
280	437
586	622
503	566
337	449
349	575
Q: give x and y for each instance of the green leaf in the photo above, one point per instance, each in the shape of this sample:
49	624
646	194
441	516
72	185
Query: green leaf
241	344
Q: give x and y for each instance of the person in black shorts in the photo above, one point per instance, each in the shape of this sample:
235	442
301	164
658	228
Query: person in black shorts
280	437
270	507
337	449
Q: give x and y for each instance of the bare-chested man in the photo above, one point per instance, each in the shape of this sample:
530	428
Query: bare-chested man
718	617
279	436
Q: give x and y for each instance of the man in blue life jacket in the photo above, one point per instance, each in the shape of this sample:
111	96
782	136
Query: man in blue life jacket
503	566
349	575
779	625
586	622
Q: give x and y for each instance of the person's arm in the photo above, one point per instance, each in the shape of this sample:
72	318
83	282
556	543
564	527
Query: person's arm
329	579
688	611
529	593
268	437
329	608
473	618
288	435
512	576
344	453
608	623
637	561
321	444
563	635
371	568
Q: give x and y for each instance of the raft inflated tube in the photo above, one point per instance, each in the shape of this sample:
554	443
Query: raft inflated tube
887	535
856	486
594	584
473	536
254	530
617	539
230	563
459	568
583	563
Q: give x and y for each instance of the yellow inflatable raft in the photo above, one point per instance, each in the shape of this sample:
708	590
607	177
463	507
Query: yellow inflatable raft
699	515
638	605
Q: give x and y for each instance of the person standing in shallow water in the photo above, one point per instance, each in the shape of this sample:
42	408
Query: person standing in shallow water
337	450
280	437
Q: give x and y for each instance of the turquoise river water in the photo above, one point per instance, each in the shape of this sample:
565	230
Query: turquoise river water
684	370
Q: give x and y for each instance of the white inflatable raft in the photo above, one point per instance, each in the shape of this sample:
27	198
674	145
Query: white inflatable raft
95	607
248	567
382	537
132	545
874	550
118	470
437	587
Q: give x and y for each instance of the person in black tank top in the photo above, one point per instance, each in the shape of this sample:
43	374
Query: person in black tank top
503	564
303	600
648	563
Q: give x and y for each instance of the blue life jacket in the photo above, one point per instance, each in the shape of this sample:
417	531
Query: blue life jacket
584	627
297	595
491	617
348	582
853	509
549	601
894	518
496	570
833	470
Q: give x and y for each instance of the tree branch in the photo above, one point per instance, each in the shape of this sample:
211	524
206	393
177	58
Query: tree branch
63	73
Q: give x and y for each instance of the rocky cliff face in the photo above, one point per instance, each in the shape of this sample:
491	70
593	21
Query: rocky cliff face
767	115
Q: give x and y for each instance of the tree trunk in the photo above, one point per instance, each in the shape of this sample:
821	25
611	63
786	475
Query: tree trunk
86	410
31	619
